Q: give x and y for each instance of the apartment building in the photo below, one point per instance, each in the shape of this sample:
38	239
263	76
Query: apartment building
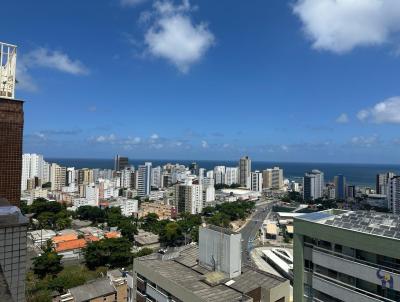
347	256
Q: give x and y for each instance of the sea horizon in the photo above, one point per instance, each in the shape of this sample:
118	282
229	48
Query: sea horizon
360	174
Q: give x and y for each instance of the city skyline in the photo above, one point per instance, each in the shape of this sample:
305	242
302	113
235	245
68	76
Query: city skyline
275	84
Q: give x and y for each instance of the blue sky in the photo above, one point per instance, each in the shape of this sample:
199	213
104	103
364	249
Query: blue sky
300	80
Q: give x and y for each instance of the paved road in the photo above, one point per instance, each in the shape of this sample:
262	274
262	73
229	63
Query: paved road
249	231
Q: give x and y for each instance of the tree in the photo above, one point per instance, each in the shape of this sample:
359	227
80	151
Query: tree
40	205
128	229
94	214
46	220
171	234
48	263
113	252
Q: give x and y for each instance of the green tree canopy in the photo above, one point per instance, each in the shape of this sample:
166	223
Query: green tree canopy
48	263
114	252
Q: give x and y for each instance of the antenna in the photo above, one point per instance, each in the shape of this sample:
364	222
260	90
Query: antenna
8	63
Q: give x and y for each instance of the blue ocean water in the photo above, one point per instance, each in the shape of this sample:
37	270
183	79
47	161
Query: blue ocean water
356	174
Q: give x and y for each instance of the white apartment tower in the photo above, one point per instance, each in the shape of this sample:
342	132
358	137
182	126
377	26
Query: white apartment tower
256	181
313	185
393	195
32	166
231	175
219	174
156	177
143	179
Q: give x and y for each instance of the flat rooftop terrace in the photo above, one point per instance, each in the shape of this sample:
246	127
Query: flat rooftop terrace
185	272
367	222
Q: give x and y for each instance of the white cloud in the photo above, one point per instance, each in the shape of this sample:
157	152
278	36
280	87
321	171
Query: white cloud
341	25
342	119
365	141
174	36
204	144
40	135
387	111
285	148
43	57
131	2
25	81
154	136
105	138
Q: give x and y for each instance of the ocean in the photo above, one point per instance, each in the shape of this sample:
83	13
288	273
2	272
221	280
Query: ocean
356	174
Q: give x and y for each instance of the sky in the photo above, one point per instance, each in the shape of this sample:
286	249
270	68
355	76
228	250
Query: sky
295	80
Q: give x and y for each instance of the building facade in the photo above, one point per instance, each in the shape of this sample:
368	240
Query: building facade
244	172
393	195
382	181
313	184
346	256
190	274
11	133
143	179
256	181
340	187
273	178
120	163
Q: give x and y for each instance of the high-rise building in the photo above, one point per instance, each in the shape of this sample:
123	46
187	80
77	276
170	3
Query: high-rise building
244	172
208	194
219	174
346	256
351	191
393	194
313	184
256	181
32	166
143	179
231	175
340	187
127	178
156	177
58	176
273	178
11	132
120	163
194	168
46	172
70	178
382	181
13	225
189	198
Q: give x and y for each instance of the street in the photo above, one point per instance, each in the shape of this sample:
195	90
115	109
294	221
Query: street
249	231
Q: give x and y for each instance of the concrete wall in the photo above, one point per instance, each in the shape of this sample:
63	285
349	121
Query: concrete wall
220	250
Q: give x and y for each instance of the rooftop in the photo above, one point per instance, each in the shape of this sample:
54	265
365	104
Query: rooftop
63	238
92	290
185	272
144	238
11	215
70	245
221	230
367	222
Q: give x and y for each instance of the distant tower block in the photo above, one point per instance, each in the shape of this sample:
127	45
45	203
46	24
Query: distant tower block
8	60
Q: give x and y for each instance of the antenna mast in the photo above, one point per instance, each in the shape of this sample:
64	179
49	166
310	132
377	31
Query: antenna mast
8	62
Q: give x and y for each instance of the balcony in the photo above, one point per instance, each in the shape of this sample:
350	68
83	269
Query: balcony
343	292
354	268
156	294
